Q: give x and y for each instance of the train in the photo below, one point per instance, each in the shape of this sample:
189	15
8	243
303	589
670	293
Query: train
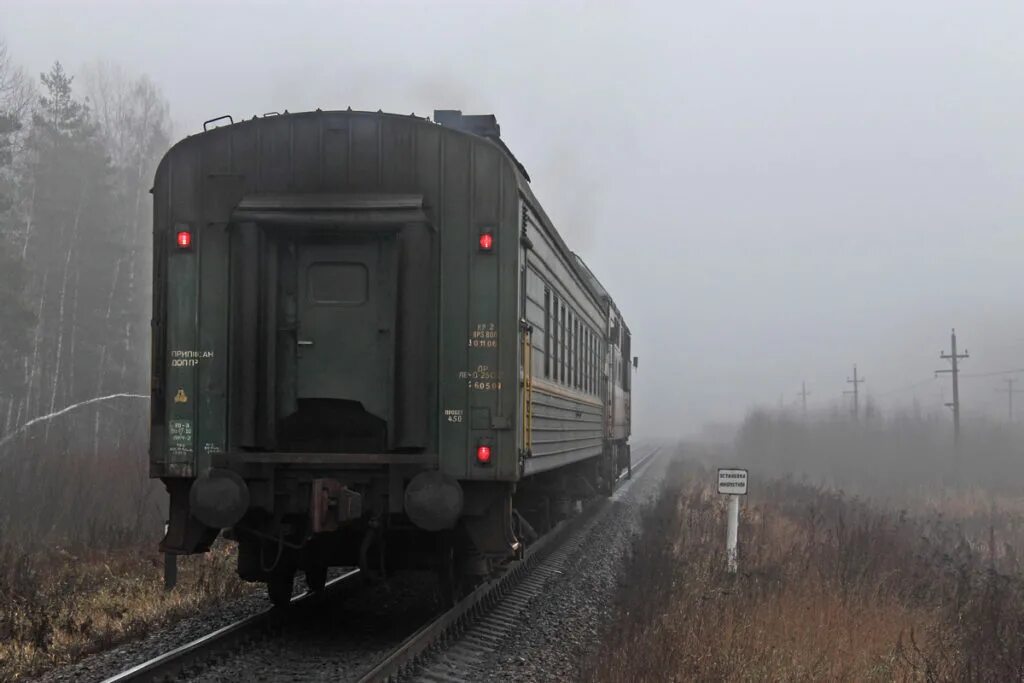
371	347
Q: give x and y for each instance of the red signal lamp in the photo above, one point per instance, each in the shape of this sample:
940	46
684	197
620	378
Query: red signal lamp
483	454
487	241
184	239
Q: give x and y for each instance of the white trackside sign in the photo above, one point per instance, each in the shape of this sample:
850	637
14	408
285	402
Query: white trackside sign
732	481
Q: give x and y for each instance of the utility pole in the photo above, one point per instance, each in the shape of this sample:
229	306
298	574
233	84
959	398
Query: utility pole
955	371
855	392
803	395
1009	391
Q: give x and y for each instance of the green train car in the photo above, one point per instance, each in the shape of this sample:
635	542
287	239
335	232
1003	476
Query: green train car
371	347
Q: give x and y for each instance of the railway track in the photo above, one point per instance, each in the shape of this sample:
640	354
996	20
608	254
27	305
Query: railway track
464	632
173	663
474	626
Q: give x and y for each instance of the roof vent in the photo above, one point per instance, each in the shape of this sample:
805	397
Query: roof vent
484	125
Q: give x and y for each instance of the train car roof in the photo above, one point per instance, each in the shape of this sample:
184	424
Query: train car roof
486	126
480	125
575	260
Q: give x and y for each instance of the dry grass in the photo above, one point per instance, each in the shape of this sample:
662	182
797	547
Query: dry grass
79	571
830	588
56	607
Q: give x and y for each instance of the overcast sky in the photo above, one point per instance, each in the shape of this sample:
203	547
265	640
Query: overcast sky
771	191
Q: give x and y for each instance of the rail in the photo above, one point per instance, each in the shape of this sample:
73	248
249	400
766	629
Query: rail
404	659
171	663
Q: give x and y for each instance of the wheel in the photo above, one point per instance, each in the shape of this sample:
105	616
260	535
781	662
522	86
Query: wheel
316	578
279	589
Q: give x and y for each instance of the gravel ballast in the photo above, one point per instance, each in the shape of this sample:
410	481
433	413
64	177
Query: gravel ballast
111	662
335	639
555	633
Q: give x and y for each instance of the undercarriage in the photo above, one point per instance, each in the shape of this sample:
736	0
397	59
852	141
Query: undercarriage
301	519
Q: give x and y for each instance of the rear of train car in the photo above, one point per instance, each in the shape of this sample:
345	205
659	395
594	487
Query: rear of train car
370	347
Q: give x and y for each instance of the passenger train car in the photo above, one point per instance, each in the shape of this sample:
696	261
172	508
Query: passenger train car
371	347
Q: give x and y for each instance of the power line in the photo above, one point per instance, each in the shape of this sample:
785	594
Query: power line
963	375
994	373
908	387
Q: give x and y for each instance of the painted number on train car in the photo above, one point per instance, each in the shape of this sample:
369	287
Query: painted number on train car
481	379
180	442
485	336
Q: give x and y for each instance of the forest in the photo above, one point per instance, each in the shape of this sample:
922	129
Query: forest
79	516
77	155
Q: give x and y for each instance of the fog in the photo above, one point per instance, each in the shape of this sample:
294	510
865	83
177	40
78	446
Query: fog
770	191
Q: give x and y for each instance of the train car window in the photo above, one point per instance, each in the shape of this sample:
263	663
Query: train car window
555	338
584	364
573	365
338	283
590	361
583	356
556	363
626	365
593	363
564	346
568	346
571	329
586	359
547	333
577	376
570	339
579	353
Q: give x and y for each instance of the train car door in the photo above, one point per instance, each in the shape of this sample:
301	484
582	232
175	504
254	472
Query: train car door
345	322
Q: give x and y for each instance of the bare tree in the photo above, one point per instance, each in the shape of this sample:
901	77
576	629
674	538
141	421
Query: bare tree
17	92
79	212
134	121
15	318
76	161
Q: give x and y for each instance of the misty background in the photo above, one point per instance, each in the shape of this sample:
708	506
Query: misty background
771	191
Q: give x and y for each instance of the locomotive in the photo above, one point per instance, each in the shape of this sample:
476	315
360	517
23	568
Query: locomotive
372	348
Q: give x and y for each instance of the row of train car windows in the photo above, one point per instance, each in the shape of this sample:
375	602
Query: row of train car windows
572	350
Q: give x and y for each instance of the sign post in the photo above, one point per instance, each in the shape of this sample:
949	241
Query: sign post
733	483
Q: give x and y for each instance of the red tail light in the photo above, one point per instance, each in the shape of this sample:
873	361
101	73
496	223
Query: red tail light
486	241
184	239
483	455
